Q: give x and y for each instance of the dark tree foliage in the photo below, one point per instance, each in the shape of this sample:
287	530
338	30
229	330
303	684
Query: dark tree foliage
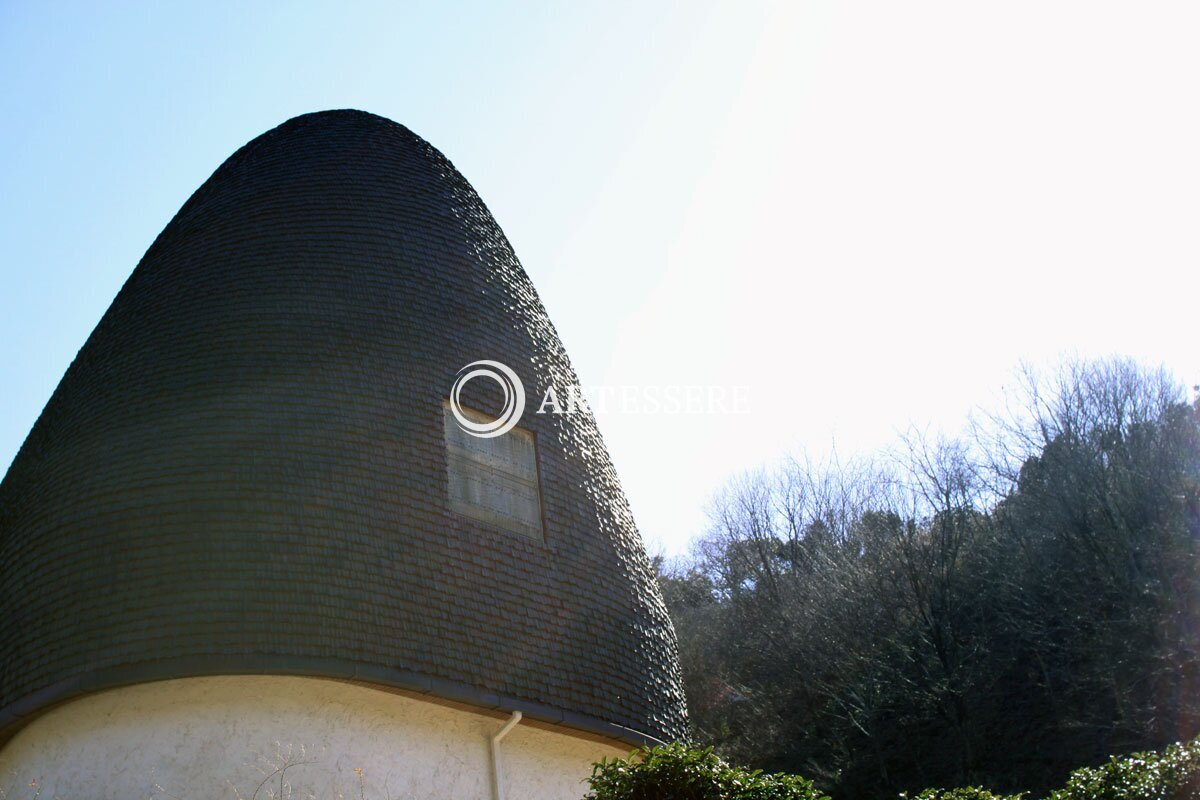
993	611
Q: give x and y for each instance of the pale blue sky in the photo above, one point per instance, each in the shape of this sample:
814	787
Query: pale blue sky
866	213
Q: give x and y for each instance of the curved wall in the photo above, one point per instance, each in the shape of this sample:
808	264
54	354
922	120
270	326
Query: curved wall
204	738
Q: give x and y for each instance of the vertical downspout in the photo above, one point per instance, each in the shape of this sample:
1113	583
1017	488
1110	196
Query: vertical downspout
497	778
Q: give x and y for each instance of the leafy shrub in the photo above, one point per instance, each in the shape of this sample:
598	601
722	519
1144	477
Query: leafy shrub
963	793
677	772
1170	774
681	773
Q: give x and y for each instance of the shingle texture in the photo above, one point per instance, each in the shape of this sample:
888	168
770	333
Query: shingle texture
244	469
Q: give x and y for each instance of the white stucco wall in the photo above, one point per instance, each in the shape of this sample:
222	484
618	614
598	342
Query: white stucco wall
202	738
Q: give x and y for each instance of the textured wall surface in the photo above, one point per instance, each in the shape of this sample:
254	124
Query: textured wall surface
203	738
244	469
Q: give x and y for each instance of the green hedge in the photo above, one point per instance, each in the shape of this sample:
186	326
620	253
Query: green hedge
964	793
1171	774
678	772
682	773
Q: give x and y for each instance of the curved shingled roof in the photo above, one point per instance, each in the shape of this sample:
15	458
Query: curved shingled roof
244	470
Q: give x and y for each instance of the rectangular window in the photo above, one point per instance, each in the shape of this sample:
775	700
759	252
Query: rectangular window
494	481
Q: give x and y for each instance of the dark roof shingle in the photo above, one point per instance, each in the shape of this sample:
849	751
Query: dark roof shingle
244	468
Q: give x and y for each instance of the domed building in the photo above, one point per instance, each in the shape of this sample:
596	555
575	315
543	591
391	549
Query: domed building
253	535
